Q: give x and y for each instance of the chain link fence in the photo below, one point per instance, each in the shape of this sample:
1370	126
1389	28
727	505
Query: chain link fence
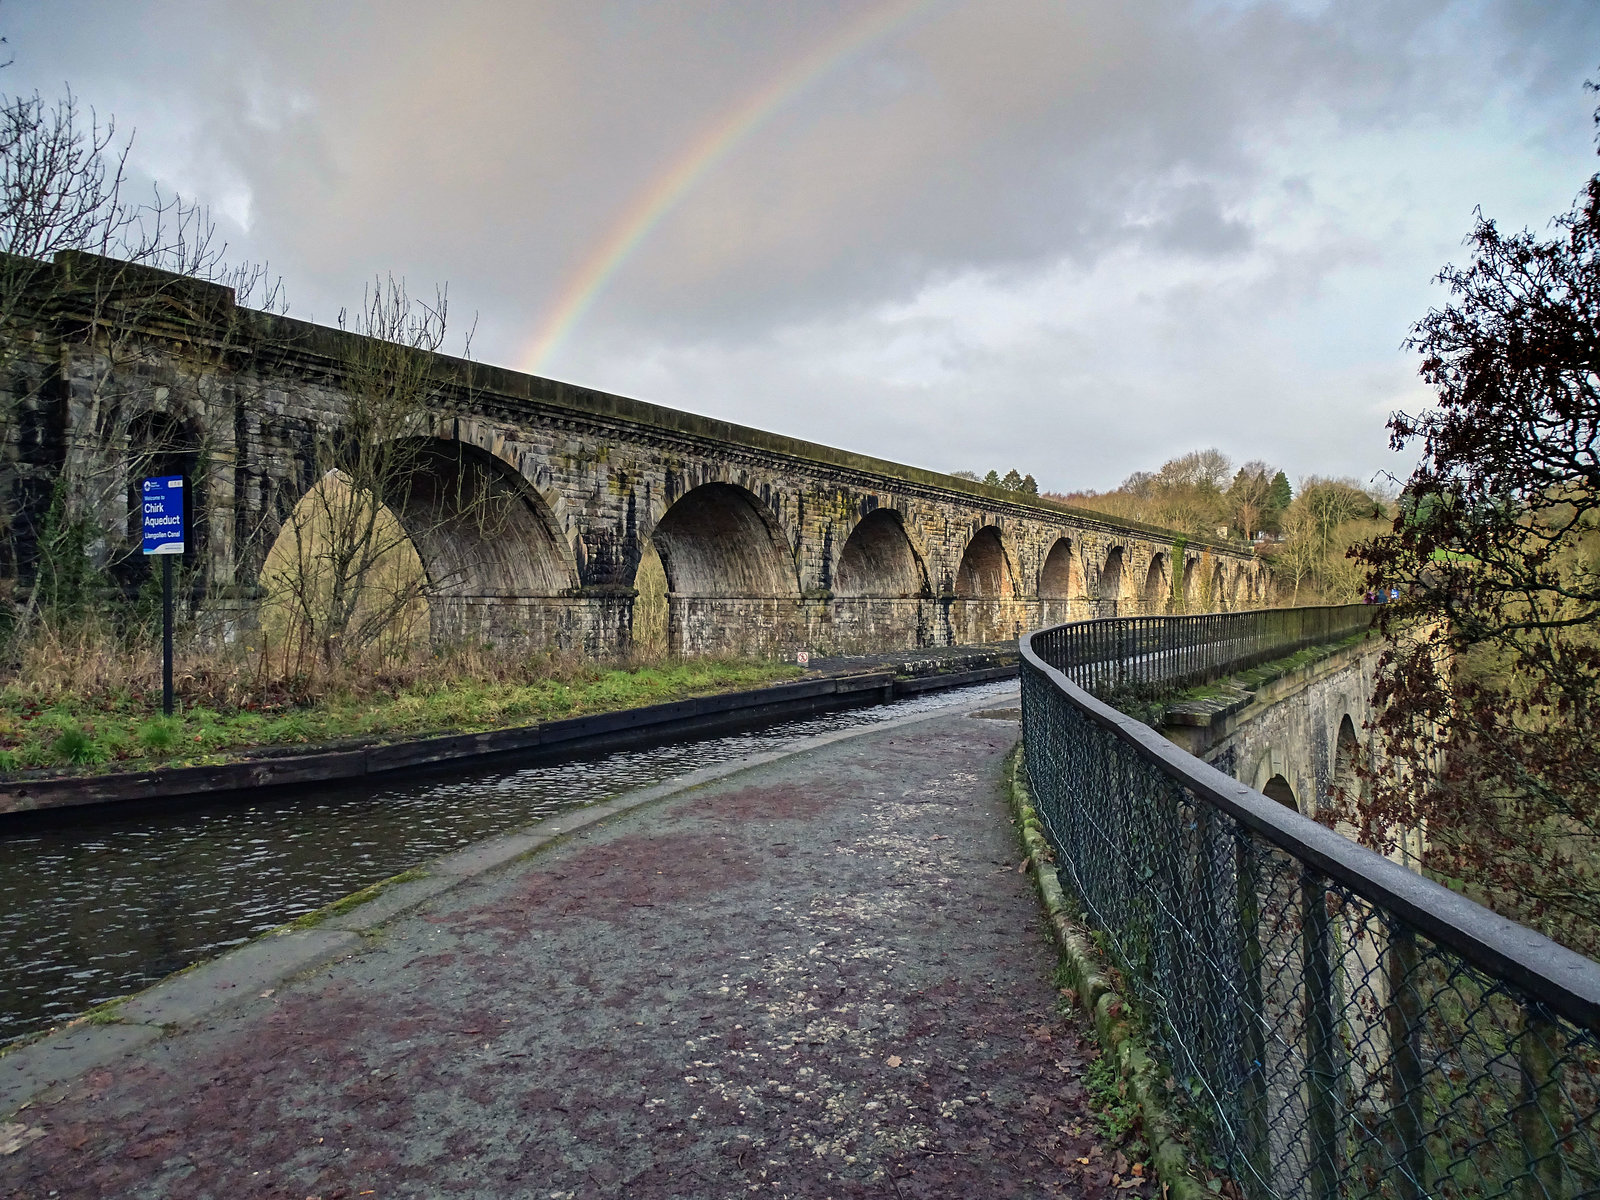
1141	657
1334	1024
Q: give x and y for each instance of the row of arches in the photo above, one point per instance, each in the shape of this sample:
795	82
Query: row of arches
487	542
1204	587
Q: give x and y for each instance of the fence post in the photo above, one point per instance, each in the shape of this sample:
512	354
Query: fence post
1404	1013
1322	1035
1253	1043
1539	1115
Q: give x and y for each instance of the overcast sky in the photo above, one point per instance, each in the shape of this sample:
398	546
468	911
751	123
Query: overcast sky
1073	238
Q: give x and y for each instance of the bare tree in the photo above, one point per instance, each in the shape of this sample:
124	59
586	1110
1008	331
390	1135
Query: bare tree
343	577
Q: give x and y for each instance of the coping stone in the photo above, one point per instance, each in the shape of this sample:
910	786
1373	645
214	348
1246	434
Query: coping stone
237	976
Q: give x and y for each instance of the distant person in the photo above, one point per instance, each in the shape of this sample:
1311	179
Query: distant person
1394	593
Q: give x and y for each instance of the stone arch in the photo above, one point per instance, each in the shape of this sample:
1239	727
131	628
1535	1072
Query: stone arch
1111	583
1153	595
1189	583
478	527
1238	595
879	559
1277	788
458	529
1346	786
986	570
1219	588
719	540
1061	577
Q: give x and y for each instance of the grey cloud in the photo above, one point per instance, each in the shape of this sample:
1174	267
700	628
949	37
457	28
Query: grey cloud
497	144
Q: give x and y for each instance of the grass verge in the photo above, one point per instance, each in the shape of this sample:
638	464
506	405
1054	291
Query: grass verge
111	730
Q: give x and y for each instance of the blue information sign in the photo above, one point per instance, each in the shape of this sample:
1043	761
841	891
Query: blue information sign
163	515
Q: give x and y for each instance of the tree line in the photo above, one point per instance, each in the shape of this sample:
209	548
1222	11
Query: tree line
1304	531
1011	481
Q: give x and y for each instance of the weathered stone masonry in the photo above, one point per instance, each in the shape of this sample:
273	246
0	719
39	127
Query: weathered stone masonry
768	544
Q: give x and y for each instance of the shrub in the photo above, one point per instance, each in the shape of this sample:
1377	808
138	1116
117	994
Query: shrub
76	746
161	734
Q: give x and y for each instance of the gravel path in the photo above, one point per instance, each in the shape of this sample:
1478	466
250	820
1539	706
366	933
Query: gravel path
820	978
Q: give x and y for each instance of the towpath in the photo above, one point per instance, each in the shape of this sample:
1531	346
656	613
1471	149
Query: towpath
820	977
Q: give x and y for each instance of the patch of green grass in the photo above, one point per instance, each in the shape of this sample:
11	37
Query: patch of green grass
344	904
109	1013
76	747
161	734
1151	711
1116	1111
73	733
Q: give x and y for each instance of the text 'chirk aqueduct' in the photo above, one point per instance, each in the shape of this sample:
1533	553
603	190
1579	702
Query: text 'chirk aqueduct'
759	543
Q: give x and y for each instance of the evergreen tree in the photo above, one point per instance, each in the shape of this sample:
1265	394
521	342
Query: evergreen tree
1012	482
1281	494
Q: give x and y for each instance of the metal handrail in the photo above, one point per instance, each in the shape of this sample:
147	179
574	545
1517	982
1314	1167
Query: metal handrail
1568	982
1143	655
1337	1017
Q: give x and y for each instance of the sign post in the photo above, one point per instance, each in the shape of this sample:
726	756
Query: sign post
162	506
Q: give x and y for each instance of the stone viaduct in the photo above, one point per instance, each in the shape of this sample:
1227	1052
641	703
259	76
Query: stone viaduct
608	509
1297	738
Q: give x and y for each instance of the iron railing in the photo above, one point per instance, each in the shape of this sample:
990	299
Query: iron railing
1141	656
1335	1024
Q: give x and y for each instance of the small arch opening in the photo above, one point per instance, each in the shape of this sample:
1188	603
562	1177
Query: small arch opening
1111	576
985	571
1278	789
878	560
1153	594
1347	791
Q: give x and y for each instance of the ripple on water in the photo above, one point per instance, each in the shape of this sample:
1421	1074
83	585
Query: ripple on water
89	915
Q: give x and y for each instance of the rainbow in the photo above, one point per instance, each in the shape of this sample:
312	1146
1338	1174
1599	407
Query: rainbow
665	191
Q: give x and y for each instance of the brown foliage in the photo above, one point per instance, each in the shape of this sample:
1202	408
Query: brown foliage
1490	705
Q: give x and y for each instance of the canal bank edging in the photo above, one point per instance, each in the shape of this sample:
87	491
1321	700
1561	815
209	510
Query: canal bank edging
700	715
43	1067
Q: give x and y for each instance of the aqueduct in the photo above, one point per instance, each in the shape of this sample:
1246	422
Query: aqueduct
615	519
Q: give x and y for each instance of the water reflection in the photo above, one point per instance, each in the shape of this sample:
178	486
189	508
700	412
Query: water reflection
87	915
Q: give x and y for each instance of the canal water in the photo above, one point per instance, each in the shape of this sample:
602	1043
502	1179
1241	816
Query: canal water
91	913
